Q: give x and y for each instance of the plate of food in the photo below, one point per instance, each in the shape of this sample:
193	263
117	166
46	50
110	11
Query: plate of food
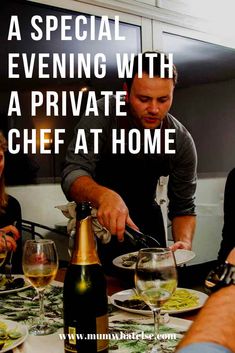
183	300
12	334
128	261
17	283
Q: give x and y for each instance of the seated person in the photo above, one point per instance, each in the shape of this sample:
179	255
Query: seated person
213	329
10	215
228	242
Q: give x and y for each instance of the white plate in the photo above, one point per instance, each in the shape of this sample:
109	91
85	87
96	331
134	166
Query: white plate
129	293
26	285
181	256
10	326
174	322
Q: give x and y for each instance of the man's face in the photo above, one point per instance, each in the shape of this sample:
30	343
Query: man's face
150	99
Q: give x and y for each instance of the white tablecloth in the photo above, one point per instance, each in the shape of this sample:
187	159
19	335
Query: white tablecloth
119	322
42	344
53	343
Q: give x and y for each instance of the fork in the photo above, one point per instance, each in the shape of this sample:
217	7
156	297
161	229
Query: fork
8	265
8	268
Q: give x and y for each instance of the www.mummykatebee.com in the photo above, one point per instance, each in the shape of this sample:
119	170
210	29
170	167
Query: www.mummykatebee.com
119	336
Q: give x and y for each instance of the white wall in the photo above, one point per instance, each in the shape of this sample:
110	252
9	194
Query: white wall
38	205
209	202
209	209
38	202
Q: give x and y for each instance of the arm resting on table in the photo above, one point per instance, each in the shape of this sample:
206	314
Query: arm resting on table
215	322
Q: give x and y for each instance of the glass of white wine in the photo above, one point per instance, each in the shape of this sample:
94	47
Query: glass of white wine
156	281
40	264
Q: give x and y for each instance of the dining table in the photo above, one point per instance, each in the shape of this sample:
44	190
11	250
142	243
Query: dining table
11	308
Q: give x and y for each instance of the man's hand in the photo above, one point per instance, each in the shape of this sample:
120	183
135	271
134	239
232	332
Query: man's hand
113	214
183	228
181	245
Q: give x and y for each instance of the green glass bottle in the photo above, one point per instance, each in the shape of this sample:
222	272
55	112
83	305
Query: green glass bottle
85	296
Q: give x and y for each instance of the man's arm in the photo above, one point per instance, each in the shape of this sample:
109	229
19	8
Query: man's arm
216	321
181	190
183	228
112	211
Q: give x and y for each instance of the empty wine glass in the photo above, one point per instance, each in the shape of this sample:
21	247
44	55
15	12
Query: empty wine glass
40	264
156	281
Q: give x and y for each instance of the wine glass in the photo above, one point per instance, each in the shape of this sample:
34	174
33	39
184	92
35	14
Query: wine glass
156	281
40	264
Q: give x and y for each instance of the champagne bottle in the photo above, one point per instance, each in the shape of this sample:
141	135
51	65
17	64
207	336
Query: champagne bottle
85	298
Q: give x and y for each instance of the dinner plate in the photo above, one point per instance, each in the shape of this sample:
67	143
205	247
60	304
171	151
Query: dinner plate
14	343
181	256
26	285
129	293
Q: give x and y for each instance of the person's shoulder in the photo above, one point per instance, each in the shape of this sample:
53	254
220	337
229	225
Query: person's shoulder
174	123
230	182
13	202
182	135
231	174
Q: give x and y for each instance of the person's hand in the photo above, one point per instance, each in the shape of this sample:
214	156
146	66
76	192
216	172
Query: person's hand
11	229
181	245
113	214
11	243
11	240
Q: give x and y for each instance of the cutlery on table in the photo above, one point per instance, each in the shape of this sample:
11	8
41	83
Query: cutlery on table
8	268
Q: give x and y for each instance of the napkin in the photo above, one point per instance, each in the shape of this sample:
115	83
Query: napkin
69	211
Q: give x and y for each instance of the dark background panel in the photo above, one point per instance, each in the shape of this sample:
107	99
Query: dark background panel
24	169
204	100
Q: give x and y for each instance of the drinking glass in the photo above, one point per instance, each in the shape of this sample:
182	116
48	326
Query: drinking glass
40	264
156	281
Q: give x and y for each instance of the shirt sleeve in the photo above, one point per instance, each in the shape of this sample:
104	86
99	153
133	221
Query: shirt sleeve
183	177
205	347
83	162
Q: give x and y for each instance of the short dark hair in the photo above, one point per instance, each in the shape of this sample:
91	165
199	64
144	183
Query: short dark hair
156	67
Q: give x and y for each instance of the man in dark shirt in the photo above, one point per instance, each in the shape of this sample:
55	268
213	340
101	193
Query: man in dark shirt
123	186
